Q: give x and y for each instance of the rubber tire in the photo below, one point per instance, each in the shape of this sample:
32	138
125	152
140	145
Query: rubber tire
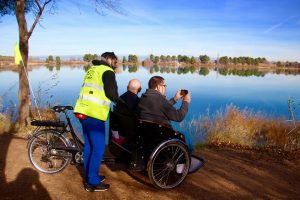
41	137
163	153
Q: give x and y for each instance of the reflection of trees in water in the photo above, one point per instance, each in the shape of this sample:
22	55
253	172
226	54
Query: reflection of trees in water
204	71
287	71
183	70
132	69
87	67
57	66
241	72
50	67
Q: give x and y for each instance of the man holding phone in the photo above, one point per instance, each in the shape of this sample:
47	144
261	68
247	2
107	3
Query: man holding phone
155	107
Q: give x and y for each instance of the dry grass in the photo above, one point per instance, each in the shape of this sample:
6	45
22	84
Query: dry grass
46	114
244	129
5	123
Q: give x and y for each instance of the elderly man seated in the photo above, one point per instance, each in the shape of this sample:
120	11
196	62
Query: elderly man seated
124	116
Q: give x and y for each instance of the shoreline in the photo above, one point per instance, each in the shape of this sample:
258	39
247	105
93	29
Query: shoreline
10	65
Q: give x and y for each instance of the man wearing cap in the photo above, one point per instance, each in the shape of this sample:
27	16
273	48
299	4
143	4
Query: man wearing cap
92	108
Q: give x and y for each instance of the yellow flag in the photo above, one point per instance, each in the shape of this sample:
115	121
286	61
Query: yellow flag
18	57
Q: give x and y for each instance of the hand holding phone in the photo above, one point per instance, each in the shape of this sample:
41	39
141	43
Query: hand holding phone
184	92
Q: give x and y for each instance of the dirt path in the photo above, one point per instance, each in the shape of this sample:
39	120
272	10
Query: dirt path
226	175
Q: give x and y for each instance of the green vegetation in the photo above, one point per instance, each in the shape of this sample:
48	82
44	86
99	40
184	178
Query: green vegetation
49	60
168	59
124	59
89	57
132	58
225	60
57	60
204	71
288	64
204	59
240	72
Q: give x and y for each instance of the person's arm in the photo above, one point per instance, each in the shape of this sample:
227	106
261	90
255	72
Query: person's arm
174	114
110	85
177	96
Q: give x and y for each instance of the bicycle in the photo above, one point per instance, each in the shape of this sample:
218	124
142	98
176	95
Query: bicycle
159	150
54	144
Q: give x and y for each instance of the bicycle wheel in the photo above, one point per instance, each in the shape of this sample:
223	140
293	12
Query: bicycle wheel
44	153
169	164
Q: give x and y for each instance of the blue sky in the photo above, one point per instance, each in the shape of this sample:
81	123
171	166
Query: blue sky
256	28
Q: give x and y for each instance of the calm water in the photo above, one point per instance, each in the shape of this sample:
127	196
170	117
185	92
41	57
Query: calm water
211	90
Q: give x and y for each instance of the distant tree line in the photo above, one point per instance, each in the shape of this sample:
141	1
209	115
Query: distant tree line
133	58
204	59
225	60
288	64
50	60
6	58
89	57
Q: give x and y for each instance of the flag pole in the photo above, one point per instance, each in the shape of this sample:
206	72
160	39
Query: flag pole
18	59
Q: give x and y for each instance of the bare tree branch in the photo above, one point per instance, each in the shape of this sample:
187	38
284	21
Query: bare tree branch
38	16
100	5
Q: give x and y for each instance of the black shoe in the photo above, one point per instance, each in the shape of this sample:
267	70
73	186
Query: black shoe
96	188
102	178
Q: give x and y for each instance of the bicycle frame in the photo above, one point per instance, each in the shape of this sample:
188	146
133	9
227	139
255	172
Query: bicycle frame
77	142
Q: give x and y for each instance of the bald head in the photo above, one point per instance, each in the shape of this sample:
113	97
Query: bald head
134	86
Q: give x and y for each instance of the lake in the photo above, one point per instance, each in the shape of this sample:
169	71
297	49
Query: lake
212	90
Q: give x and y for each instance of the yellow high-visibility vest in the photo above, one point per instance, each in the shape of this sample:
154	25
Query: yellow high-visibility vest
92	100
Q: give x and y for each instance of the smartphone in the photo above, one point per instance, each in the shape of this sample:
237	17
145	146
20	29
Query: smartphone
184	92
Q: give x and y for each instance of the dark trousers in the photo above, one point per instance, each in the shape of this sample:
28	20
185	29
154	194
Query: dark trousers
94	146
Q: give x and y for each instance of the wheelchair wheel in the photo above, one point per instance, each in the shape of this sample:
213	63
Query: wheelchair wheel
169	164
42	153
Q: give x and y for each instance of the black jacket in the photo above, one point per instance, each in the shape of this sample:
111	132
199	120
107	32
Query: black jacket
153	106
109	81
131	100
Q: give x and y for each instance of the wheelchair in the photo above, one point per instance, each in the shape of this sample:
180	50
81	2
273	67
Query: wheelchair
152	147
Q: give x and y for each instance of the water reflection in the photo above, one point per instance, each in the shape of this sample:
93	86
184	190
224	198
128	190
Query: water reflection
204	71
211	88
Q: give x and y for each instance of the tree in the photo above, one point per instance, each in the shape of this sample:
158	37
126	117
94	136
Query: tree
224	60
156	59
151	57
133	58
89	57
193	60
19	8
124	59
49	60
204	59
57	60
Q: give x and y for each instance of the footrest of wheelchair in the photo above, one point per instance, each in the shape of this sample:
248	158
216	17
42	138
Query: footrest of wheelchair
47	123
196	164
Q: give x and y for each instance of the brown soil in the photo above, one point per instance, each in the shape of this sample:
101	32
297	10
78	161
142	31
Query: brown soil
227	174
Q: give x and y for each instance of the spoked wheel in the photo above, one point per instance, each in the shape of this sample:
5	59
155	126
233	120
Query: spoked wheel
169	164
44	153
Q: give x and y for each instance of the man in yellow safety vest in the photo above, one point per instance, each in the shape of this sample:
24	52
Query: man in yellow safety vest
92	108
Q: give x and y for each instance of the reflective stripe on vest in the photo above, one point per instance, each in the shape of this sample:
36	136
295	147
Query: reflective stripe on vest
92	85
92	100
95	100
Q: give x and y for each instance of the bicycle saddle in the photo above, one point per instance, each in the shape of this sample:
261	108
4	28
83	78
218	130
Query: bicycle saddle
62	108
